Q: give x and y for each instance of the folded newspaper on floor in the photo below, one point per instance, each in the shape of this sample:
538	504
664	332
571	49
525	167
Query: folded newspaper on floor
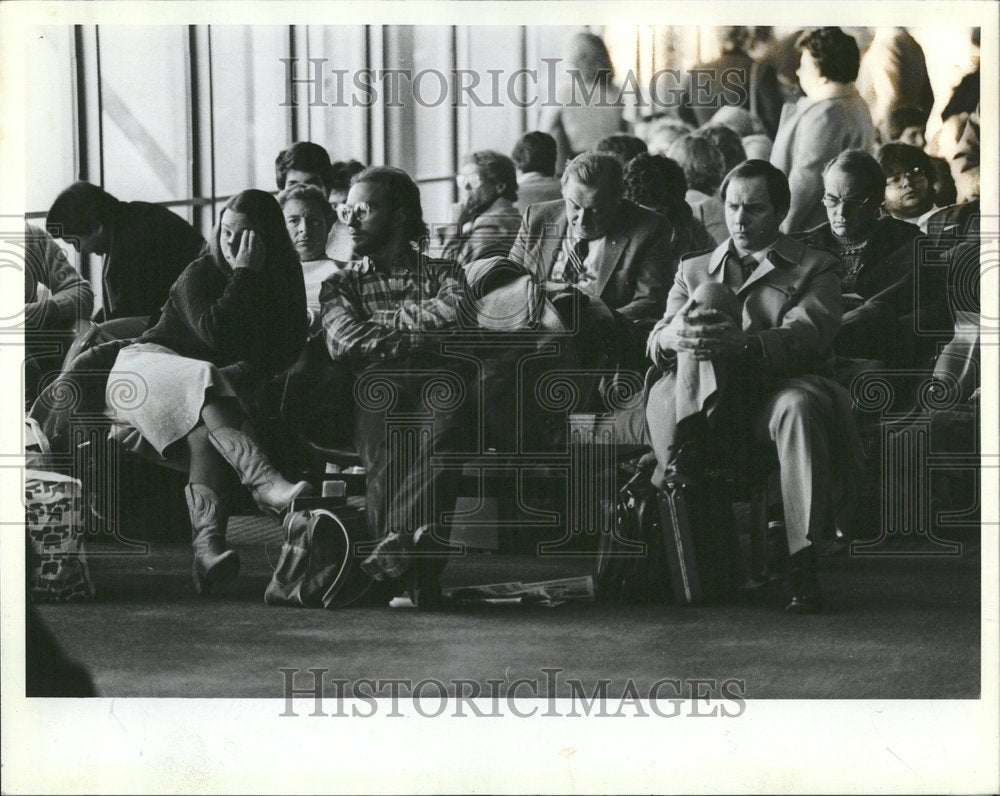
546	593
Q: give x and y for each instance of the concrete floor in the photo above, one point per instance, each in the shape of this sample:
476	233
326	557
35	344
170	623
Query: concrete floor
898	627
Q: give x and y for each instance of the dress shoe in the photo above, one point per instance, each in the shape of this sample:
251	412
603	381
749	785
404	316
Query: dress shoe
806	597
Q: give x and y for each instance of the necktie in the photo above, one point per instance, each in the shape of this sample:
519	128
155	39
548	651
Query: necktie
748	264
574	267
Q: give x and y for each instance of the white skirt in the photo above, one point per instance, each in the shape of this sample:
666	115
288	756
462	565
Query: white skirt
161	393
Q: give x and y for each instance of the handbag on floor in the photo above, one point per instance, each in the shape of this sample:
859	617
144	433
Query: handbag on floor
54	528
319	565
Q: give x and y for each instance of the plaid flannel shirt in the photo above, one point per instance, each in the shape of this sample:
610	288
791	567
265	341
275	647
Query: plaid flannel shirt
370	314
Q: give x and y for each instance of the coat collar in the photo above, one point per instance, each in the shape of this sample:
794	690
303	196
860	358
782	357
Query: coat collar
787	252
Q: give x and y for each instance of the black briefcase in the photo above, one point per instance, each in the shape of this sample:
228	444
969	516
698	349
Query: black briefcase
699	541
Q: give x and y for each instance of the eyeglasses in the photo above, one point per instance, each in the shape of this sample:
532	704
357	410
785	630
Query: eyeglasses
346	212
912	176
849	202
468	181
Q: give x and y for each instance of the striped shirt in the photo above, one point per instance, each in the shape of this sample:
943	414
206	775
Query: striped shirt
370	314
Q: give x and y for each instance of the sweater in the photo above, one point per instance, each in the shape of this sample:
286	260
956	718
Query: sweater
69	296
229	315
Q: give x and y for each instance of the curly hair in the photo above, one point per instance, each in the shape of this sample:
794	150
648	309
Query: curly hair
497	168
728	141
657	182
836	53
703	164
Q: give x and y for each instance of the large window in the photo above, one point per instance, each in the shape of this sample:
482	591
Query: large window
145	112
248	89
50	159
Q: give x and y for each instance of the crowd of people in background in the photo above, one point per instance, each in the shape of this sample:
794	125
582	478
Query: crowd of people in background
778	239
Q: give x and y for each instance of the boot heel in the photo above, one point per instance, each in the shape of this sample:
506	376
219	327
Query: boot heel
223	570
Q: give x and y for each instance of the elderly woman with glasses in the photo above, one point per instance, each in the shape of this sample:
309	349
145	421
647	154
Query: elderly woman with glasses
878	255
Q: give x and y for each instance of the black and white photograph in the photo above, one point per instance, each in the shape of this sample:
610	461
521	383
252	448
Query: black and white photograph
499	397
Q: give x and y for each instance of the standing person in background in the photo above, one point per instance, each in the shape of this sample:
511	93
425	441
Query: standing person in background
534	159
56	297
588	100
893	74
145	247
732	79
704	170
829	119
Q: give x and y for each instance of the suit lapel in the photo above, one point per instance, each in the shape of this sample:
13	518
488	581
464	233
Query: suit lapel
614	249
550	241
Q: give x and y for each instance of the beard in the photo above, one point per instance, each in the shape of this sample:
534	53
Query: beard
476	203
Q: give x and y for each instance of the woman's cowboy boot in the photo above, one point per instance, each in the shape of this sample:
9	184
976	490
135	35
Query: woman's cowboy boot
270	490
213	563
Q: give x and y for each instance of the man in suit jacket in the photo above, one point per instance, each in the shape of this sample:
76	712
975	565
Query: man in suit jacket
756	318
486	219
598	243
829	119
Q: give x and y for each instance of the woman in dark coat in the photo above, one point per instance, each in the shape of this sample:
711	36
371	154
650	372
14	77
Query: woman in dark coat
235	317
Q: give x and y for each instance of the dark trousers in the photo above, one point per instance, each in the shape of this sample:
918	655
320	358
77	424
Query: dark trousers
413	420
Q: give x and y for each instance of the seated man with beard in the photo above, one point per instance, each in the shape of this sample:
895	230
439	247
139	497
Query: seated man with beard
383	316
487	221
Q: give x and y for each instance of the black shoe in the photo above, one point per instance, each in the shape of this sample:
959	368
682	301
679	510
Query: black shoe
803	584
423	578
424	586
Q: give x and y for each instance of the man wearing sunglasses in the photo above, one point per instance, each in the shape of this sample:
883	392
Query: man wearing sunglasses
486	221
878	257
